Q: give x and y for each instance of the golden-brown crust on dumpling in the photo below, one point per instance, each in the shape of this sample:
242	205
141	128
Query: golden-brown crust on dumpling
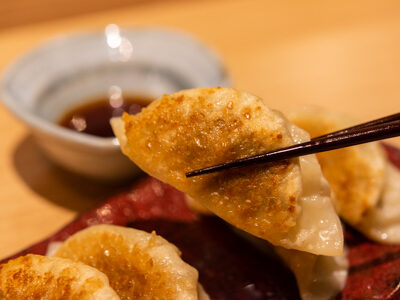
40	277
197	128
139	265
355	174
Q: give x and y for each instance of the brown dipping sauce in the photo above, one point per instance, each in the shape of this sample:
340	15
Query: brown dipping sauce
94	117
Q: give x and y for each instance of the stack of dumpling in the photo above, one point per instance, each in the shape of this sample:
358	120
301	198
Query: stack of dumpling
286	203
103	262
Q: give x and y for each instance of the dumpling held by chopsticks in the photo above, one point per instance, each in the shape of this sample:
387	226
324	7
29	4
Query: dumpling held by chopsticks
285	202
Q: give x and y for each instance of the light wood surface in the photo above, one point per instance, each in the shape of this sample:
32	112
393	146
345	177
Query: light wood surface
343	55
21	12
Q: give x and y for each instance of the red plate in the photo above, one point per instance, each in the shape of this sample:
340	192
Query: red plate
230	267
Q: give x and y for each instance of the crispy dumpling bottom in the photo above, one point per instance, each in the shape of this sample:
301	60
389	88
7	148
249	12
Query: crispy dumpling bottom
196	128
41	277
139	265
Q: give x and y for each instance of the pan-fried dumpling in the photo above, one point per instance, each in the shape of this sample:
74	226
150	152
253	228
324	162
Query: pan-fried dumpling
139	265
196	128
382	223
318	277
355	174
365	186
41	277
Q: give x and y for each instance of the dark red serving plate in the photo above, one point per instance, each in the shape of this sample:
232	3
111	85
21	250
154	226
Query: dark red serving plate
229	266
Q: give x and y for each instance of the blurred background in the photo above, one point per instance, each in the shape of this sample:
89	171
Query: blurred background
339	54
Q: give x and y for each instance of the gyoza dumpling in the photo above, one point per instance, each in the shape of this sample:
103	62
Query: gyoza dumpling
139	265
41	277
196	128
355	174
366	190
318	277
382	223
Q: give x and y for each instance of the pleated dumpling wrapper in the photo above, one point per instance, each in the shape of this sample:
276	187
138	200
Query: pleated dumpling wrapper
139	265
355	174
382	222
196	128
318	277
365	186
41	277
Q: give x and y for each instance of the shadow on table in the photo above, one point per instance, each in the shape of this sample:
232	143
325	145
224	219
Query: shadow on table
57	185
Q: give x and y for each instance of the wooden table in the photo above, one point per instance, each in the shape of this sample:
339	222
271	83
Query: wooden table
344	55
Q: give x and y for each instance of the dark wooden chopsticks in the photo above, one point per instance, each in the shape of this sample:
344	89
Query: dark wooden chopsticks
375	130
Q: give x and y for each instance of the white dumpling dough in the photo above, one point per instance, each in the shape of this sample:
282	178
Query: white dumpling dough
316	230
318	277
382	223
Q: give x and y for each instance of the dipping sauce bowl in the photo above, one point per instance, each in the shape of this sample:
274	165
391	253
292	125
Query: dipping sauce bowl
69	71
